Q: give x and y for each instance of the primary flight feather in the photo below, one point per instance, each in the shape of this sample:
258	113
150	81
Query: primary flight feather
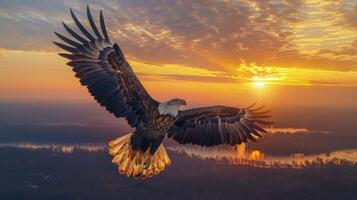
101	66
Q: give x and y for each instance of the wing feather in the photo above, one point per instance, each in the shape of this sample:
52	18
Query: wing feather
69	41
66	47
74	34
103	69
92	24
102	25
214	125
81	27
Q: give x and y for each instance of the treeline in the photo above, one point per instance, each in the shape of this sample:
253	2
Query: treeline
81	175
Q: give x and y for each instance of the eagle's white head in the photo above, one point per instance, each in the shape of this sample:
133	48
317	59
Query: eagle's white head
171	107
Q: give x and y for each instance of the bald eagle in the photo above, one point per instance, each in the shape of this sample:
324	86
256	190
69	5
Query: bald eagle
102	67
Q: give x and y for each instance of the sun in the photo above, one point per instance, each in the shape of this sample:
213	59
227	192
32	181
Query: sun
260	84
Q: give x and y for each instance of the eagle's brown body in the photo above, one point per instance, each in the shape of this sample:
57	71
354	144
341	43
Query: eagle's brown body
151	131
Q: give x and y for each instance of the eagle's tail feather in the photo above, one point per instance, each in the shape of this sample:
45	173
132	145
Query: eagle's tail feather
139	163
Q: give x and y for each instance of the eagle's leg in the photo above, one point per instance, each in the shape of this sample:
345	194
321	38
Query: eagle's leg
139	163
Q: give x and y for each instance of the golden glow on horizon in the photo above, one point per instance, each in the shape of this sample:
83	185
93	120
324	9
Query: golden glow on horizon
260	84
44	76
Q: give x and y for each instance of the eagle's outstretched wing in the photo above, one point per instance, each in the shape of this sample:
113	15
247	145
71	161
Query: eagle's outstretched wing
214	125
103	69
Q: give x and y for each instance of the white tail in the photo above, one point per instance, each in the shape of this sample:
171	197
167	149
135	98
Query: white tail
140	164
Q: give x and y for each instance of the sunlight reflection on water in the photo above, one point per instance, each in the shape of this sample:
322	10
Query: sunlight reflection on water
241	155
294	131
232	155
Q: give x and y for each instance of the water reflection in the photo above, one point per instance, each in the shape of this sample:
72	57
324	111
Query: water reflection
242	155
61	148
294	131
232	155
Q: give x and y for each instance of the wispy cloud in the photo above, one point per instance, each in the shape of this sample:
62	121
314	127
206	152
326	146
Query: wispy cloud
350	15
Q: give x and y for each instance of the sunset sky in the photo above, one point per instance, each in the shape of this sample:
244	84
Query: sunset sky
209	52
